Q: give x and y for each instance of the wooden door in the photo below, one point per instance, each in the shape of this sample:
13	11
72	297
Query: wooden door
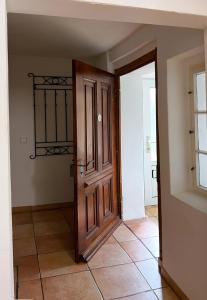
96	203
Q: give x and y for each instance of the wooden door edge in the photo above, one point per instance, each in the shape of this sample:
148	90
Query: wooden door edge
100	240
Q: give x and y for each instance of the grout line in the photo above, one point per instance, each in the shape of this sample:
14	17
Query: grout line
128	254
139	293
155	293
143	277
64	274
145	260
153	257
127	263
161	287
122	248
132	262
90	269
55	251
91	272
111	266
38	259
139	239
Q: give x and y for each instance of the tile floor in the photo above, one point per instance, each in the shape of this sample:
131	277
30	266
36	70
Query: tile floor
151	210
125	267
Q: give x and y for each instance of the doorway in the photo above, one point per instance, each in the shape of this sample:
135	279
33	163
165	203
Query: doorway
139	149
150	137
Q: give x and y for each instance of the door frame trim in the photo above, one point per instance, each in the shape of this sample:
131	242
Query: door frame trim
132	66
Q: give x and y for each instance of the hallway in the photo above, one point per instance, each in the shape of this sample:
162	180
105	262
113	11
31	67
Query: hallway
125	267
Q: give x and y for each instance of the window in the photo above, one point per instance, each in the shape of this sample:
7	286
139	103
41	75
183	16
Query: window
200	121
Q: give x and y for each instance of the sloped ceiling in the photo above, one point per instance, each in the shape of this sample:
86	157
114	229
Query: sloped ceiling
63	37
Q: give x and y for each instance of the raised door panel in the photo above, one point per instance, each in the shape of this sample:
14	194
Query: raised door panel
107	197
90	112
106	107
91	211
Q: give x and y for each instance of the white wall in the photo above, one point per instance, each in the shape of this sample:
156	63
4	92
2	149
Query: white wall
132	135
44	179
180	106
179	125
184	226
6	257
150	157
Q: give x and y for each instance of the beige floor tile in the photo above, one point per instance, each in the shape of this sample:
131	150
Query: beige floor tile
30	290
28	267
111	240
153	245
53	243
149	269
145	228
151	210
122	234
155	220
142	296
109	255
23	231
59	263
134	221
47	228
47	216
24	247
76	286
166	294
22	218
136	250
120	281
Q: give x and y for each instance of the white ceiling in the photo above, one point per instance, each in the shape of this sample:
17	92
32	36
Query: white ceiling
63	37
185	13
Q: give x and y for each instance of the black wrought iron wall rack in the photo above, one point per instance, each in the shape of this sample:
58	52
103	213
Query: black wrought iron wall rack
50	93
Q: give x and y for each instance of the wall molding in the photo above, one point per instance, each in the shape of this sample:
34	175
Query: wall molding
22	209
171	282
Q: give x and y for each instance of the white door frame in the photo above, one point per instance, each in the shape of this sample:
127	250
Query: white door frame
6	253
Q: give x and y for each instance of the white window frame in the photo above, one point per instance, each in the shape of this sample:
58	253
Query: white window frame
194	136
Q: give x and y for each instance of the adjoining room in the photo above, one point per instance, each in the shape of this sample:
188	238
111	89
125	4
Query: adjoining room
139	154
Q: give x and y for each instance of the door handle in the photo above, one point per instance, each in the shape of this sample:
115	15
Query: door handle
82	166
154	172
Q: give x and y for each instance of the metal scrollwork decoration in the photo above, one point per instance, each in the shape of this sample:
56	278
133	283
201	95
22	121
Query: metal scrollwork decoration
52	101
